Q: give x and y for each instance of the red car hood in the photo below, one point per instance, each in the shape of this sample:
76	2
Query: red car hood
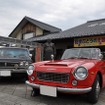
66	65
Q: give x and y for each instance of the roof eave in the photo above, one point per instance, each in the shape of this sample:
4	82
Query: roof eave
18	27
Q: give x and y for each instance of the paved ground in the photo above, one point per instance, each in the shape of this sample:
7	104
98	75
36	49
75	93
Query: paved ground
15	92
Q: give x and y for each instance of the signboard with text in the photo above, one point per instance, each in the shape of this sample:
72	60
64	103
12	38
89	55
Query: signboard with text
89	41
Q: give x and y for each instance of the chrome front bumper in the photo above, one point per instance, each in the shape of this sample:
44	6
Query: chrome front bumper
14	70
10	72
65	90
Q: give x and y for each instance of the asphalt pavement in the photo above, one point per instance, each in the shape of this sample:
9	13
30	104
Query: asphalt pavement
13	91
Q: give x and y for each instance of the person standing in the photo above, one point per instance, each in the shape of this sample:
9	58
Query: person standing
48	50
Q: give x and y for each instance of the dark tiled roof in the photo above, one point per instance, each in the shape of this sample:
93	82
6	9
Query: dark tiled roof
42	25
96	27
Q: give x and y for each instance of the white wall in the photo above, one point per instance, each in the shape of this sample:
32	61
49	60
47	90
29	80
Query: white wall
39	31
19	35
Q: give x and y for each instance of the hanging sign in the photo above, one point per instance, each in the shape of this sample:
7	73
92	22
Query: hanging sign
89	41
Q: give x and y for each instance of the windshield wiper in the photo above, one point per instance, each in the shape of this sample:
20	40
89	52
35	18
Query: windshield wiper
83	57
73	57
21	56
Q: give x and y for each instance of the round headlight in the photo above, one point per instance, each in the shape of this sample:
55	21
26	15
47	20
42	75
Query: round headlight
81	73
30	70
26	63
21	63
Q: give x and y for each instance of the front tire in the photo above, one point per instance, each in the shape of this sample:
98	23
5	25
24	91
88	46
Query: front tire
93	95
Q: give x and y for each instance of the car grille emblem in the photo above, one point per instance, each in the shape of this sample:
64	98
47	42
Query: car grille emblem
5	64
16	66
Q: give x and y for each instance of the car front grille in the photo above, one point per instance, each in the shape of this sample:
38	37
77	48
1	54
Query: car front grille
53	77
7	65
2	64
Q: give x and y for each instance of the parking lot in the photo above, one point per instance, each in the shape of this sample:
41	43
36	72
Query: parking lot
13	91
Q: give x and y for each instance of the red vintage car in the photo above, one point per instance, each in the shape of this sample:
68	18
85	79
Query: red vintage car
80	71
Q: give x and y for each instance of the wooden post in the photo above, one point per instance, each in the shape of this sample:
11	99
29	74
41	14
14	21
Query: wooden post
38	54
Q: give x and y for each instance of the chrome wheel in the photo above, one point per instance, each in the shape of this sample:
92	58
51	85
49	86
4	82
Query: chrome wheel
93	95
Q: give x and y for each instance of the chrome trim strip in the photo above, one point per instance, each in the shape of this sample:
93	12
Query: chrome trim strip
61	89
74	90
32	85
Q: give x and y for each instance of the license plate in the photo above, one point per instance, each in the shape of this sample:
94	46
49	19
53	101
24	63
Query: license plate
48	90
5	73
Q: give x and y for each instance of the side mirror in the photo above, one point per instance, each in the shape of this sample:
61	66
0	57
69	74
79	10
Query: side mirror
100	56
52	57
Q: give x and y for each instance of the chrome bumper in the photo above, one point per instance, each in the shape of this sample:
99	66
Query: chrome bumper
14	70
65	90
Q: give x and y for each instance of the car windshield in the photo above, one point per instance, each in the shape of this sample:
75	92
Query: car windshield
85	53
13	52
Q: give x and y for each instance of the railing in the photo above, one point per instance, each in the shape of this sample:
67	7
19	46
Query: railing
9	40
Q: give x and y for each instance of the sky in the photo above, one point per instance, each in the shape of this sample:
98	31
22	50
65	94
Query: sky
63	14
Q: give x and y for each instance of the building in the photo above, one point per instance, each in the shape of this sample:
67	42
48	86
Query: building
89	34
31	28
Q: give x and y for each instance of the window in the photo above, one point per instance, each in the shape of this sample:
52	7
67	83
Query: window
28	35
